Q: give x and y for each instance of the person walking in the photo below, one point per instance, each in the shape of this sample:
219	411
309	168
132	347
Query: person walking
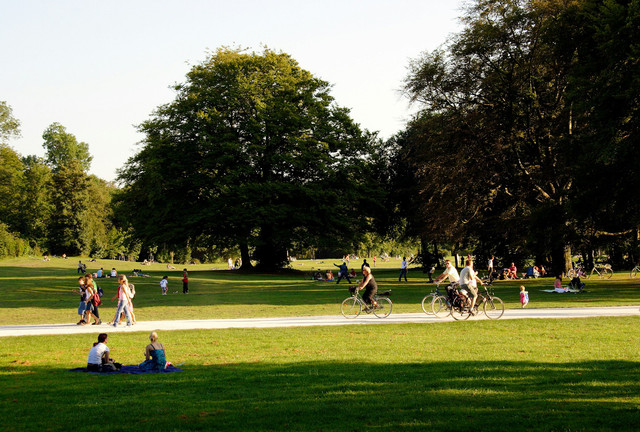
124	299
164	284
343	272
185	282
403	270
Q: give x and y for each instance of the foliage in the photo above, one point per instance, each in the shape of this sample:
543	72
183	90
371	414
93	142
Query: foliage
63	149
506	150
9	125
253	153
11	245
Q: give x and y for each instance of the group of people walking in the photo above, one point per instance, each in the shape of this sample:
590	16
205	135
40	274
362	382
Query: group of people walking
91	299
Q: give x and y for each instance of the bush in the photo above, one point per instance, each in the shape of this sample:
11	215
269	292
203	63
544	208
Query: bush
12	245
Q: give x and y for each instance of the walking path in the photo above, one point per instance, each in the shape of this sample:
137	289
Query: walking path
330	320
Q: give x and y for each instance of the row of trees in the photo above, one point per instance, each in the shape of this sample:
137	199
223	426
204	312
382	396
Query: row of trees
50	204
524	146
527	135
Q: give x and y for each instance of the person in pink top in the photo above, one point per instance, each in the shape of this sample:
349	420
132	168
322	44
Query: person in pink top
524	296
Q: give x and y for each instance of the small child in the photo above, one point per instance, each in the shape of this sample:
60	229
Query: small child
524	296
164	284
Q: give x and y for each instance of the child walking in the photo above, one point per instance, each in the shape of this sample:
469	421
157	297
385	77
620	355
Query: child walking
524	296
164	284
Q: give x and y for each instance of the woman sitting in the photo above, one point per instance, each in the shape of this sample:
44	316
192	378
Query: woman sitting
154	352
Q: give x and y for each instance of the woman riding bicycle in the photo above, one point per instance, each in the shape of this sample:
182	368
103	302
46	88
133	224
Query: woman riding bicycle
370	287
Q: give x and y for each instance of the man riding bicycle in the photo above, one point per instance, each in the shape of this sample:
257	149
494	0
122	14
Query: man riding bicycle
468	281
449	272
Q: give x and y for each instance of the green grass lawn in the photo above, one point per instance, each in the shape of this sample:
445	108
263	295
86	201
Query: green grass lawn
541	375
34	291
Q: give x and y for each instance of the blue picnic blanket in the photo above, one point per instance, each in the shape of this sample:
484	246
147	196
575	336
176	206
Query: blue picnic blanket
129	369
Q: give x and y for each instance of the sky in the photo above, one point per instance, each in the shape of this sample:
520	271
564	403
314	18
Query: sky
101	68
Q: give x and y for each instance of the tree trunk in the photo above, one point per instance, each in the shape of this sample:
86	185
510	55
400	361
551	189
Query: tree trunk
244	256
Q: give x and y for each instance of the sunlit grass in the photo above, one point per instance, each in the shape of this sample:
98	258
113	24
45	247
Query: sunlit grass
33	291
579	374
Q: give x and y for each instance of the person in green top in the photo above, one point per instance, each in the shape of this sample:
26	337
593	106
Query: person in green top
155	354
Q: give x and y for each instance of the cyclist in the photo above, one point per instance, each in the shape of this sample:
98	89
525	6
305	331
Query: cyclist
468	281
370	288
449	272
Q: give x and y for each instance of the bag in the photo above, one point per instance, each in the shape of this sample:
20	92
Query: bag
99	291
132	290
96	300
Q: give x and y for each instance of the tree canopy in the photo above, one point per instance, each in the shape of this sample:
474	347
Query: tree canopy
253	152
515	137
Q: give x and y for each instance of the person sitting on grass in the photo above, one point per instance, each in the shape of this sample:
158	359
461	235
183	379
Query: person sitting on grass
329	276
99	360
156	358
557	286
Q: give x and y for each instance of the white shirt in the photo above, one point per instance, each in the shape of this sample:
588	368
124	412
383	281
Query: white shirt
403	265
451	273
468	276
96	353
163	283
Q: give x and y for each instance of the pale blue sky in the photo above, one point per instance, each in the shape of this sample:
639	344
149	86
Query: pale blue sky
99	68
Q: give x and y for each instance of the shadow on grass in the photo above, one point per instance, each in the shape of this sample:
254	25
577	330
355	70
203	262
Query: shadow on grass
332	396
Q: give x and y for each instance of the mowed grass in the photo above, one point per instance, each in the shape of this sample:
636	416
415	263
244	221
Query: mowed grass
513	375
540	375
33	291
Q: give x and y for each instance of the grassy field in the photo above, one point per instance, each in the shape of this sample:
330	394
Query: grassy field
34	291
540	375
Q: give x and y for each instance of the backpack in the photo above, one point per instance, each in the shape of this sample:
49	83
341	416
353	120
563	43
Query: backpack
132	290
99	290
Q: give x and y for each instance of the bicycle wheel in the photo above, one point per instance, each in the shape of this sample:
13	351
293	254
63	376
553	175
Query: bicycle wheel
493	308
384	308
351	307
607	273
440	307
634	272
426	303
459	312
571	273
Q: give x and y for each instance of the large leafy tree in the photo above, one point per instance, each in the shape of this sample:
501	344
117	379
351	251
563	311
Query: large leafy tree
253	153
62	148
491	143
68	160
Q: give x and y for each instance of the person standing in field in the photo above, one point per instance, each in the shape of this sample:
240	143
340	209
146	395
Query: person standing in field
164	284
185	282
403	269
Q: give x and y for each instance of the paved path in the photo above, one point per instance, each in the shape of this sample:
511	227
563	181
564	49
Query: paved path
330	320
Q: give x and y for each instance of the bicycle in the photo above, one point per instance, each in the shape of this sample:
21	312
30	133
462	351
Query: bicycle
578	271
427	301
351	307
493	307
635	271
441	304
605	271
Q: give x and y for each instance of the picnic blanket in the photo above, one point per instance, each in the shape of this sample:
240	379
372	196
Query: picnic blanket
575	291
129	369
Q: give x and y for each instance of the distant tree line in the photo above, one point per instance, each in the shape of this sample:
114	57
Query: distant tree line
524	147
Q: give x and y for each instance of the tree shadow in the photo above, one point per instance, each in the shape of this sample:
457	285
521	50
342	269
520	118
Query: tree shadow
338	396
